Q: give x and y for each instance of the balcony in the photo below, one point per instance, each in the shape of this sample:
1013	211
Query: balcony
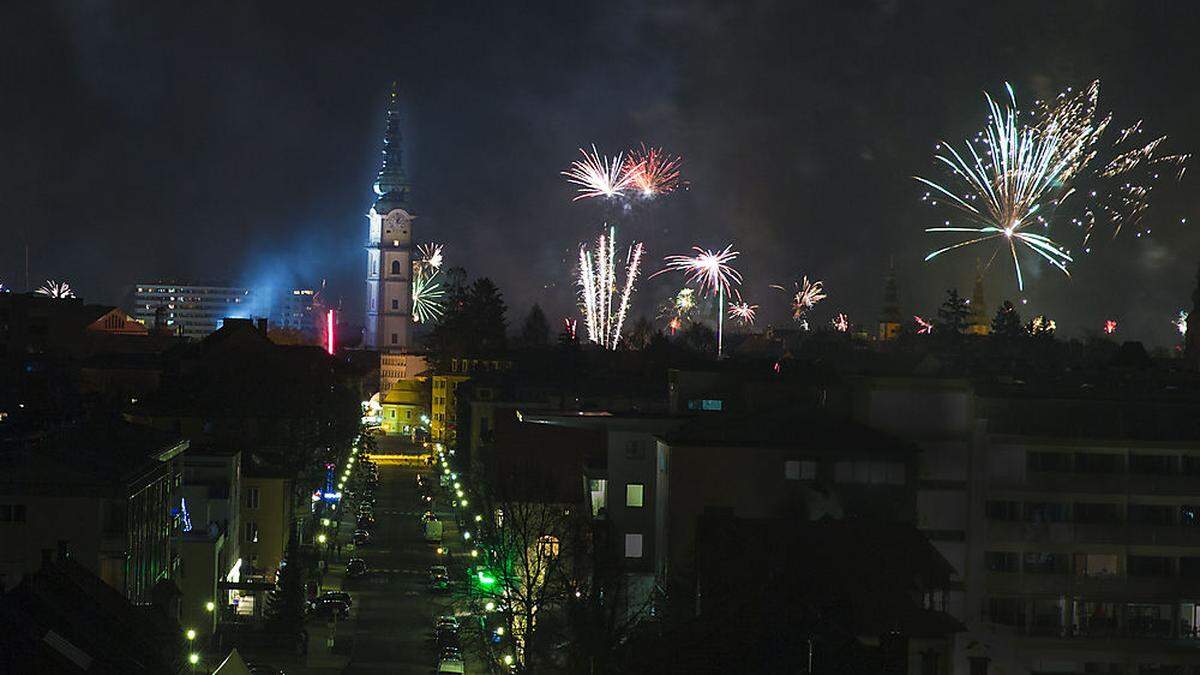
1134	534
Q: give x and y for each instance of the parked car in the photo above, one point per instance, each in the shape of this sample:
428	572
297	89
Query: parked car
448	622
366	521
329	608
342	596
439	579
450	666
356	567
360	537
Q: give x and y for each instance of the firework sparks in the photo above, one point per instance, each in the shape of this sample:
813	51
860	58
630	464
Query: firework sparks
807	295
598	176
428	295
1040	325
712	274
742	311
1026	169
923	327
1181	322
708	270
675	324
1118	186
603	307
1110	327
840	323
651	171
430	256
570	327
56	289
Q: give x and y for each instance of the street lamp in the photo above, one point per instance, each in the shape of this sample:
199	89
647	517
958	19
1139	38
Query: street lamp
499	630
191	634
193	659
463	502
508	659
490	606
478	518
321	538
210	606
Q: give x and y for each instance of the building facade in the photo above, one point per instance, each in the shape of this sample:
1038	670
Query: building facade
190	308
389	247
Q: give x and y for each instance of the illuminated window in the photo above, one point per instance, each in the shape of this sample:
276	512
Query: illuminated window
548	546
251	528
634	493
800	470
633	546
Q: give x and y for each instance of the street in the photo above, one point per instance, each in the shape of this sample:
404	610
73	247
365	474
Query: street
394	610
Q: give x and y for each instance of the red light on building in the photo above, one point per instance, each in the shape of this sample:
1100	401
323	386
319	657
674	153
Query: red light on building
329	331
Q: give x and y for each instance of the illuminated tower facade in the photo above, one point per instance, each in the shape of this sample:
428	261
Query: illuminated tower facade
389	246
890	319
979	322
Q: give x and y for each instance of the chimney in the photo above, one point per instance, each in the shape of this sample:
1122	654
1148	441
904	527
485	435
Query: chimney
262	325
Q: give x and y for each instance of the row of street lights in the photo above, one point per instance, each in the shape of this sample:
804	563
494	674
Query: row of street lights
483	577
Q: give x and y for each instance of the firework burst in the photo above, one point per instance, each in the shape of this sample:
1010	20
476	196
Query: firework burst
1026	171
1181	322
806	296
923	327
56	289
742	311
571	328
1110	327
840	323
429	256
604	304
598	176
651	171
428	297
710	271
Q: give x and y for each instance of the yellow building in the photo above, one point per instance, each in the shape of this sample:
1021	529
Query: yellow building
443	424
266	514
403	405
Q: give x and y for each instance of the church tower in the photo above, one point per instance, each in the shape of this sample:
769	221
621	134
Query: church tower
389	246
889	315
978	320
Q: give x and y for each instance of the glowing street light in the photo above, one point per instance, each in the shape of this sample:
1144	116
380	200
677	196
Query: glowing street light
193	658
466	535
478	518
474	553
499	630
508	659
191	634
490	606
321	538
210	606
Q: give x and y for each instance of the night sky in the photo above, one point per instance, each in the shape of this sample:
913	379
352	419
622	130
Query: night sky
239	140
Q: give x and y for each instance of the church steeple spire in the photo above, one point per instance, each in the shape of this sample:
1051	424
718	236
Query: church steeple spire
392	184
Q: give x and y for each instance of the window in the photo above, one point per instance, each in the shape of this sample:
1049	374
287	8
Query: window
633	546
395	338
12	513
1151	514
395	267
634	492
1048	461
707	404
251	528
1002	561
1003	510
1046	512
1007	611
872	473
800	470
252	498
1095	462
1045	563
1096	564
1152	464
548	546
395	304
1149	566
635	450
1097	513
